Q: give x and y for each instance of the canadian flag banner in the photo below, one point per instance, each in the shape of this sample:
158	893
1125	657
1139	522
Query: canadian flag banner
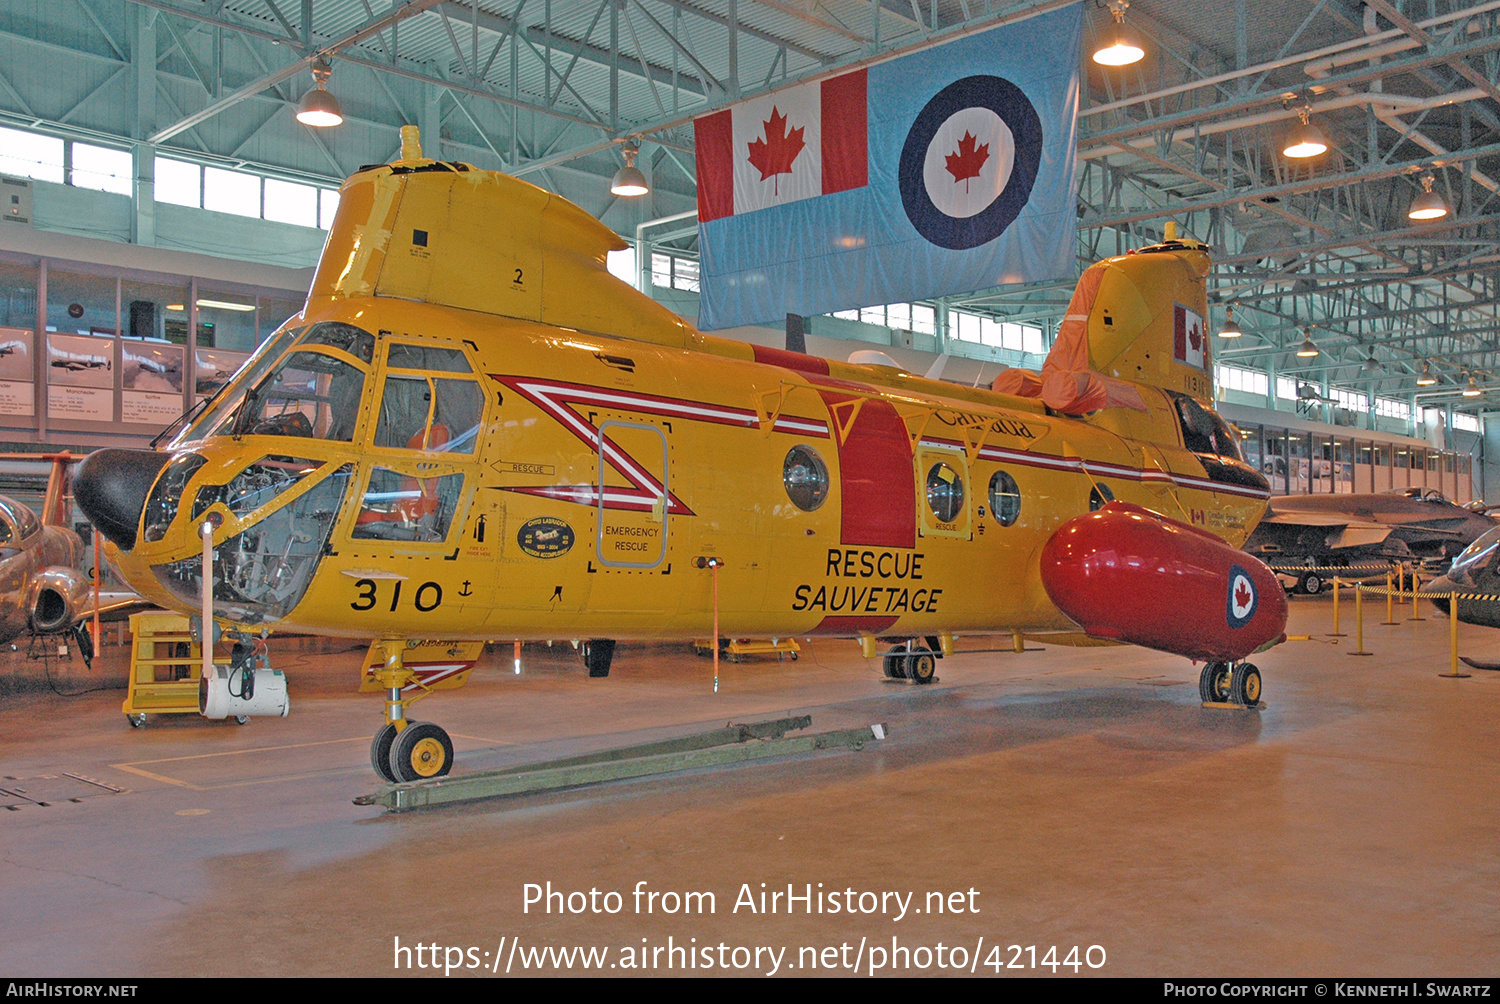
944	171
795	144
1187	336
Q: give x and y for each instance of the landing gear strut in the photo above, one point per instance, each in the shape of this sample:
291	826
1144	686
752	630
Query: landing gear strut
1230	683
404	750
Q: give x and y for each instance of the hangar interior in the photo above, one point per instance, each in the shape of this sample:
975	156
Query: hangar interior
163	209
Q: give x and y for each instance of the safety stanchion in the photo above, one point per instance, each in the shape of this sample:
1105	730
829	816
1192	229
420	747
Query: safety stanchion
1390	598
1416	583
1453	672
1359	620
1337	584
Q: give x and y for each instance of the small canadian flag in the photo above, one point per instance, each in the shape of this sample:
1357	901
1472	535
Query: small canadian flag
794	144
1187	335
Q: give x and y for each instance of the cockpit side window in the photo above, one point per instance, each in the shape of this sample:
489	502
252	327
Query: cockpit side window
420	410
25	520
311	395
1203	431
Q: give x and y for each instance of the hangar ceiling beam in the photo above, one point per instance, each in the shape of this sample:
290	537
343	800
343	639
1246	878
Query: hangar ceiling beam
1458	63
287	72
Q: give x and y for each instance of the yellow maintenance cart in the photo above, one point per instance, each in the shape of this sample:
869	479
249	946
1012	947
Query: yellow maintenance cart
165	666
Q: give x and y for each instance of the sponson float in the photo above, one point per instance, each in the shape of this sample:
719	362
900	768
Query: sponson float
472	431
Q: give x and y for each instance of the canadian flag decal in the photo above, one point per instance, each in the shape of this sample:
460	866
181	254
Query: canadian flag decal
795	144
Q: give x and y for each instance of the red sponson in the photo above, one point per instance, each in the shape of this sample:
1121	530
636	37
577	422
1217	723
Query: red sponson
1133	575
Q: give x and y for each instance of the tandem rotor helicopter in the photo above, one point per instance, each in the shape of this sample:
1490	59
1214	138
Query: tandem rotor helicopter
473	431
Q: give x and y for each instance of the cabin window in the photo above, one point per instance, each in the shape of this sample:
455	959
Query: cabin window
805	477
1005	498
310	395
398	506
1203	431
429	413
1100	496
945	493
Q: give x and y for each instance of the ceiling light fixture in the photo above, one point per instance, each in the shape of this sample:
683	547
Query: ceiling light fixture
318	108
1425	378
1472	390
628	180
1307	349
1305	140
1428	205
1230	329
1120	46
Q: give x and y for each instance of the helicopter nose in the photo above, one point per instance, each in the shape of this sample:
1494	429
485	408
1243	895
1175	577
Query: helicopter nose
111	487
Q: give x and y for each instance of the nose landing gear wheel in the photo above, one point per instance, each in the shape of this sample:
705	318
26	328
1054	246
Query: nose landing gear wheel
380	752
421	751
1214	683
1311	584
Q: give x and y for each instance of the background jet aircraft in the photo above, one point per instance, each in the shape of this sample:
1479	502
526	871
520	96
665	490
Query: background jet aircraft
1404	524
42	588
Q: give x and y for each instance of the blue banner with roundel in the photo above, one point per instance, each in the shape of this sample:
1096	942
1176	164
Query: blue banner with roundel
971	151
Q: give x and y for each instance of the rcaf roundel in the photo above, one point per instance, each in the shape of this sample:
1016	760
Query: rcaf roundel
970	159
1242	598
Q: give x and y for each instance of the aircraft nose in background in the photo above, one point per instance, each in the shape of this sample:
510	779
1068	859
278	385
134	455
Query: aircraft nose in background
111	488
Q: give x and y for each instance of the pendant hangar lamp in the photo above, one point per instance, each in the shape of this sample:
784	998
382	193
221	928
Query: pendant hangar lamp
1425	378
1428	205
1307	349
1120	45
318	108
1305	140
1472	389
1229	329
628	181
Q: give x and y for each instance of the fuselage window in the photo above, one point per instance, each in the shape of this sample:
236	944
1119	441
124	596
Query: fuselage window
1005	498
945	493
311	395
398	506
805	477
1100	496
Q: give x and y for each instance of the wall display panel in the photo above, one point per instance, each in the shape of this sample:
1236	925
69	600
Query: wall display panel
81	304
213	368
151	375
17	374
18	295
81	378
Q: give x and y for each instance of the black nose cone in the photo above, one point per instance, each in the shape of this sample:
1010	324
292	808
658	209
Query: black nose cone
111	488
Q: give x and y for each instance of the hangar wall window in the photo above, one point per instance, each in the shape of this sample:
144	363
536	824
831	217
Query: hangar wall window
29	155
1005	498
945	493
805	477
101	168
674	272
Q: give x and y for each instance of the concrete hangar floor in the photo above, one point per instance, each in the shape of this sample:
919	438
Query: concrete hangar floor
1059	798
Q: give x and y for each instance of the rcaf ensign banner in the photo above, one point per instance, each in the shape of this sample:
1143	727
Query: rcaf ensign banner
945	171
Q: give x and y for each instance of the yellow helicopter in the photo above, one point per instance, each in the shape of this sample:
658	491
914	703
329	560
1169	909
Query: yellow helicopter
473	431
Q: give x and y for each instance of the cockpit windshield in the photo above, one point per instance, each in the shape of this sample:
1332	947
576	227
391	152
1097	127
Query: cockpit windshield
310	395
1475	558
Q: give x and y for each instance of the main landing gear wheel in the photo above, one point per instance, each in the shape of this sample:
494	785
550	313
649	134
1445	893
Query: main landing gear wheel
1214	683
421	751
380	751
1311	583
1244	685
921	668
895	666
